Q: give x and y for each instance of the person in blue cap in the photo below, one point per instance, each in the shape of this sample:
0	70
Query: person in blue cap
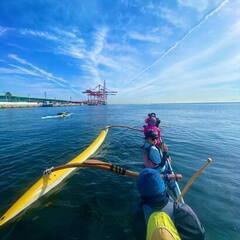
153	194
152	188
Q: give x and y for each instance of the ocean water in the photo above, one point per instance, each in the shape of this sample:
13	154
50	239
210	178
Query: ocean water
93	204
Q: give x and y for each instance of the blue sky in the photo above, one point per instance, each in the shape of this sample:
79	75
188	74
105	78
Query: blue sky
148	51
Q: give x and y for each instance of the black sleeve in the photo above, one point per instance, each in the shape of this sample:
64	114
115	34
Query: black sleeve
164	159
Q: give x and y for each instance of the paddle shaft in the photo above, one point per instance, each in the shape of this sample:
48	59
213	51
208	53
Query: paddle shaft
193	178
99	165
94	163
177	188
124	126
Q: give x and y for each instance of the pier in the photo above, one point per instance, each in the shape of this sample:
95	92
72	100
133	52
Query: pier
10	101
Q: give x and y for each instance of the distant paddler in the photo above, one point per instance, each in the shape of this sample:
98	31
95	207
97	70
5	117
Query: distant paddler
59	115
63	114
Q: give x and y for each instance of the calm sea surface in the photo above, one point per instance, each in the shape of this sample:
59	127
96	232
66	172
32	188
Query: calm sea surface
93	204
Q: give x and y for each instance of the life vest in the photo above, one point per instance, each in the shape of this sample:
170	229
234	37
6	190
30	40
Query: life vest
148	161
153	121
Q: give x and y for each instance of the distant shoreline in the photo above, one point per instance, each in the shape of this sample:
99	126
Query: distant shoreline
163	103
37	104
19	104
29	105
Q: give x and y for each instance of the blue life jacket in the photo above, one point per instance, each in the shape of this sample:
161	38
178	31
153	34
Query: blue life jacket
163	156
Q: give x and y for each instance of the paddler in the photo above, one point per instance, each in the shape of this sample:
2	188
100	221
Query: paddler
153	156
153	207
153	115
63	114
151	126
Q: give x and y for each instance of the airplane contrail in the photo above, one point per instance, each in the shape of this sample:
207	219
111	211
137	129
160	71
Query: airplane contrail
175	45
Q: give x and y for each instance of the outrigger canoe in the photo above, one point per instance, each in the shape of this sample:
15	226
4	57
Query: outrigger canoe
47	183
63	115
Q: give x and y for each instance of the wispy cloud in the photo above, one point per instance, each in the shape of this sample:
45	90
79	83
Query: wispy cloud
145	37
199	5
22	70
6	71
176	44
91	57
3	30
36	71
196	72
170	16
99	42
45	35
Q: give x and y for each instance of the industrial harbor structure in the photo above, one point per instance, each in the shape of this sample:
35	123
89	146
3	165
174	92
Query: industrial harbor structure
98	95
95	96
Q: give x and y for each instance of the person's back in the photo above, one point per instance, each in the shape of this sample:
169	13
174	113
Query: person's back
154	197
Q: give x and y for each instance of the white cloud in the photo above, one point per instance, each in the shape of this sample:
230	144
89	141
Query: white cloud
72	49
91	57
21	70
3	30
236	28
177	43
195	72
64	33
99	42
172	17
108	62
38	71
144	37
40	34
199	5
4	70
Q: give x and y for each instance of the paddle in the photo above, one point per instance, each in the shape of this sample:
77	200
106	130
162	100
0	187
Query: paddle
124	126
193	178
94	163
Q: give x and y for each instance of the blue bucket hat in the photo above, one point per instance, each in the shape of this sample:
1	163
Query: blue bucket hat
150	183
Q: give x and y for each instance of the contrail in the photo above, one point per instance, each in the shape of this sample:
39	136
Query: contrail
175	45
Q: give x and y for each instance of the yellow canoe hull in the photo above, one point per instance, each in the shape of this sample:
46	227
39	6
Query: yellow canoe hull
46	183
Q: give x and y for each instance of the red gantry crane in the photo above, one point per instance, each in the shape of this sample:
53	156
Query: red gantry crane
98	95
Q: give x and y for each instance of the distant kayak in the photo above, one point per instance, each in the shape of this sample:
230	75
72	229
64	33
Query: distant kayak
59	115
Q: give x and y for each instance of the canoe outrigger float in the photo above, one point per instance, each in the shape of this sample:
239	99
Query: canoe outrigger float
47	183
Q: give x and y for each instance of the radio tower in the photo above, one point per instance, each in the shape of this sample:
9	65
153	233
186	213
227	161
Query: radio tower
98	95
